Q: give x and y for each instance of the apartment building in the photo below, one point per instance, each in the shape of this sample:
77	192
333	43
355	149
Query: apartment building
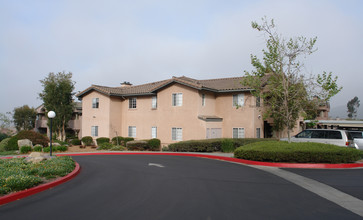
173	110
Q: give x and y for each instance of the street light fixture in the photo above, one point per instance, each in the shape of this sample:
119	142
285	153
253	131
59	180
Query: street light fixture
51	115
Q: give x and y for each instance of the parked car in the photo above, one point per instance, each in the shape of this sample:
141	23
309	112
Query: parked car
327	136
357	139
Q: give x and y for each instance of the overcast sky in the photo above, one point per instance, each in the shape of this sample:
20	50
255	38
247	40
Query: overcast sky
106	42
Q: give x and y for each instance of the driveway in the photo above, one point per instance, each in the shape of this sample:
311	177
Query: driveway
172	187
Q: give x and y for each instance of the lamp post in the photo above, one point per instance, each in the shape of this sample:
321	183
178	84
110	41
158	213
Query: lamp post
51	115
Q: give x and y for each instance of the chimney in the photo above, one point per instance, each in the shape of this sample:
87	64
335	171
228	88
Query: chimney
125	84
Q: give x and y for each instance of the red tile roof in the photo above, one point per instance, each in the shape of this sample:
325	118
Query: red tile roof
215	85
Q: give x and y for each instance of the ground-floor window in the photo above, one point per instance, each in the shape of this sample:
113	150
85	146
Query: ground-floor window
177	134
238	133
132	131
154	131
94	131
258	132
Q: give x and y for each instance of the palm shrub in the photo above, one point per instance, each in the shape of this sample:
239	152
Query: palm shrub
87	140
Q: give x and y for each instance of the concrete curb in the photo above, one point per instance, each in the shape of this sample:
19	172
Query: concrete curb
39	188
235	160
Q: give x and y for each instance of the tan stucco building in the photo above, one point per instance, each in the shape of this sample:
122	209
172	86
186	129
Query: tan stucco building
172	110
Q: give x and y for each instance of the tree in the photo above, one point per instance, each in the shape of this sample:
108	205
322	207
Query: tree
278	80
57	95
24	118
5	121
353	106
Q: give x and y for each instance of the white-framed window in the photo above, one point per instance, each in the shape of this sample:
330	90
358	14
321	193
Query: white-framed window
94	131
132	131
177	134
154	102
95	102
154	132
203	99
132	102
258	132
177	99
238	133
238	100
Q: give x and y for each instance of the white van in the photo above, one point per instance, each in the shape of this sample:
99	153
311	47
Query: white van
326	136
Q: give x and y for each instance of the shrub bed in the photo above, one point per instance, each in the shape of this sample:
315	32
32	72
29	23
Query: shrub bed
137	145
281	151
104	146
118	140
38	148
212	145
17	174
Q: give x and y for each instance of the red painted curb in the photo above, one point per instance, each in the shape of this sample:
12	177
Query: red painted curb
236	160
39	188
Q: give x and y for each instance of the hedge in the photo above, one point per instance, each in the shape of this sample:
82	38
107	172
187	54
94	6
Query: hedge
25	149
212	145
137	145
104	146
117	140
76	142
281	151
3	144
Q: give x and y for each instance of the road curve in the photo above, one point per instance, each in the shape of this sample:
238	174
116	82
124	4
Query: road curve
172	187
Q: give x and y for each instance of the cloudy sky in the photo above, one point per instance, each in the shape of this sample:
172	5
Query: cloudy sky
106	42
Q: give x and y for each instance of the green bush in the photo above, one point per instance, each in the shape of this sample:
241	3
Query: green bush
154	144
61	148
212	145
118	140
281	151
3	144
38	149
102	140
137	145
104	146
25	149
165	148
87	140
76	142
47	149
12	144
227	145
34	137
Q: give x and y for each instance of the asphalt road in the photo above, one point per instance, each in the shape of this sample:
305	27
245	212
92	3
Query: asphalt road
172	187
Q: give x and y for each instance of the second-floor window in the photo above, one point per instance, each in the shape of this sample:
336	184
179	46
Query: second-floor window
177	99
154	102
203	99
238	100
95	103
132	102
